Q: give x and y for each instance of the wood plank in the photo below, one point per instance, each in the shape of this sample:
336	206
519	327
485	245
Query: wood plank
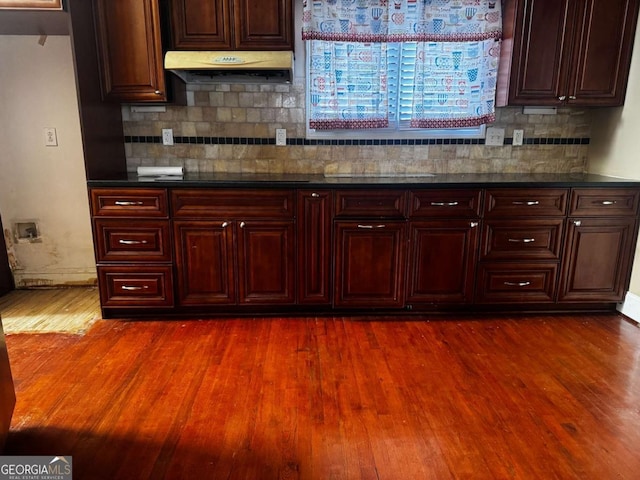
344	398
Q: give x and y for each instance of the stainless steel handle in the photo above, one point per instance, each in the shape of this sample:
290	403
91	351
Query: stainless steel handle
608	202
132	242
522	240
444	204
562	98
527	203
242	224
315	195
577	223
372	226
128	287
474	224
517	284
224	224
127	203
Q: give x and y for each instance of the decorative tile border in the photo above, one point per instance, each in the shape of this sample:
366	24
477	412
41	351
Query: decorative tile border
346	142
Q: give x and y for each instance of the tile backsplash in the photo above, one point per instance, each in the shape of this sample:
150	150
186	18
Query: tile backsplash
231	128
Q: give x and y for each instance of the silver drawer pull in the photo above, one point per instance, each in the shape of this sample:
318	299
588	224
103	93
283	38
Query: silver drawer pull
444	204
522	240
127	203
529	203
517	284
372	226
473	224
608	202
129	287
224	224
315	195
132	242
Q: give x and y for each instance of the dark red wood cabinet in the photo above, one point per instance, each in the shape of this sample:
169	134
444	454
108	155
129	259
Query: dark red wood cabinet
563	52
7	391
232	24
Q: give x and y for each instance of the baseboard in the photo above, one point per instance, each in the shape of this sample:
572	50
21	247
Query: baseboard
630	307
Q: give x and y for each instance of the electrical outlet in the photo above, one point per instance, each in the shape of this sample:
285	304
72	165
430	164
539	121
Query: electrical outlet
281	136
167	136
50	137
518	137
494	137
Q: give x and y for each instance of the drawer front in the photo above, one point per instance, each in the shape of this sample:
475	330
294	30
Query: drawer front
136	286
522	239
516	283
371	203
525	202
233	203
123	202
444	203
590	202
142	241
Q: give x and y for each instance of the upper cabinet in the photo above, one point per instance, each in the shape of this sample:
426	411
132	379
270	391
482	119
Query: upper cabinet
130	50
232	24
563	52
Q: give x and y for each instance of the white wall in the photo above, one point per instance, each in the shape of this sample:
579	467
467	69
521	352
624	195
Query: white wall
38	90
615	143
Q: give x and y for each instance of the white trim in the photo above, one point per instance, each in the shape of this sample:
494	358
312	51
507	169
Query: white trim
630	307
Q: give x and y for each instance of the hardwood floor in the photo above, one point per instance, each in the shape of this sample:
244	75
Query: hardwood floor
535	397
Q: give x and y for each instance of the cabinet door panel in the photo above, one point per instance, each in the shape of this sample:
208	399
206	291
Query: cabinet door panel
266	262
370	264
597	259
130	50
442	261
200	24
204	258
263	24
601	66
541	48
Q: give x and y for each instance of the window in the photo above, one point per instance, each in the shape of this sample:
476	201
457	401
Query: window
400	75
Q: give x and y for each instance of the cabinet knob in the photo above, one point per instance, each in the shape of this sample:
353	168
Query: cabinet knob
242	224
572	97
473	224
224	224
562	98
577	223
158	92
315	195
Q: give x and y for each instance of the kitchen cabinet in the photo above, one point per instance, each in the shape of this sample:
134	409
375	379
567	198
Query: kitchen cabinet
7	391
315	214
601	234
563	52
28	4
232	24
130	51
6	277
443	244
235	247
133	247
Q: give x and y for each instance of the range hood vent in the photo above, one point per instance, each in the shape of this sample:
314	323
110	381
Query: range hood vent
230	66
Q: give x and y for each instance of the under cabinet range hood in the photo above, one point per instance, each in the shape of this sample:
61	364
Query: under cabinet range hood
231	66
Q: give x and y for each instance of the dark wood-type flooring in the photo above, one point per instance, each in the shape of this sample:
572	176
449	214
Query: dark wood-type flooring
535	397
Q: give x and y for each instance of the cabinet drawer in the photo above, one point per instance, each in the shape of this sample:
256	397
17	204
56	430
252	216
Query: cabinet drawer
233	203
136	286
516	283
525	202
444	203
140	202
144	240
604	201
522	239
371	203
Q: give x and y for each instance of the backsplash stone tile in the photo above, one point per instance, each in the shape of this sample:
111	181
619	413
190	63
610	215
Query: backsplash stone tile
250	114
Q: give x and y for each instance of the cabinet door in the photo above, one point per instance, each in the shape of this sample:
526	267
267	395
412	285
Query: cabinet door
130	50
314	247
266	262
442	261
205	262
542	47
597	259
369	269
201	24
601	65
263	24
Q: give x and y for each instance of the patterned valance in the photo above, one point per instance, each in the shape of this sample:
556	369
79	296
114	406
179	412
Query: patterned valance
402	20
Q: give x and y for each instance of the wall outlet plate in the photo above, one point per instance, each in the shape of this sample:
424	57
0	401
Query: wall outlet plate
494	137
281	136
518	137
167	136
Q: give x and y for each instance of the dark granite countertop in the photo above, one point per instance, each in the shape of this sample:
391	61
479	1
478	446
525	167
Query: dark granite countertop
241	180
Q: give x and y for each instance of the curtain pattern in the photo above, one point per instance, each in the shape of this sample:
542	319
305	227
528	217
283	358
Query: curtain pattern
457	61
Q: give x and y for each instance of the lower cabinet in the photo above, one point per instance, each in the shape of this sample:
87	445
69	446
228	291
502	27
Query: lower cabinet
370	264
442	261
235	262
